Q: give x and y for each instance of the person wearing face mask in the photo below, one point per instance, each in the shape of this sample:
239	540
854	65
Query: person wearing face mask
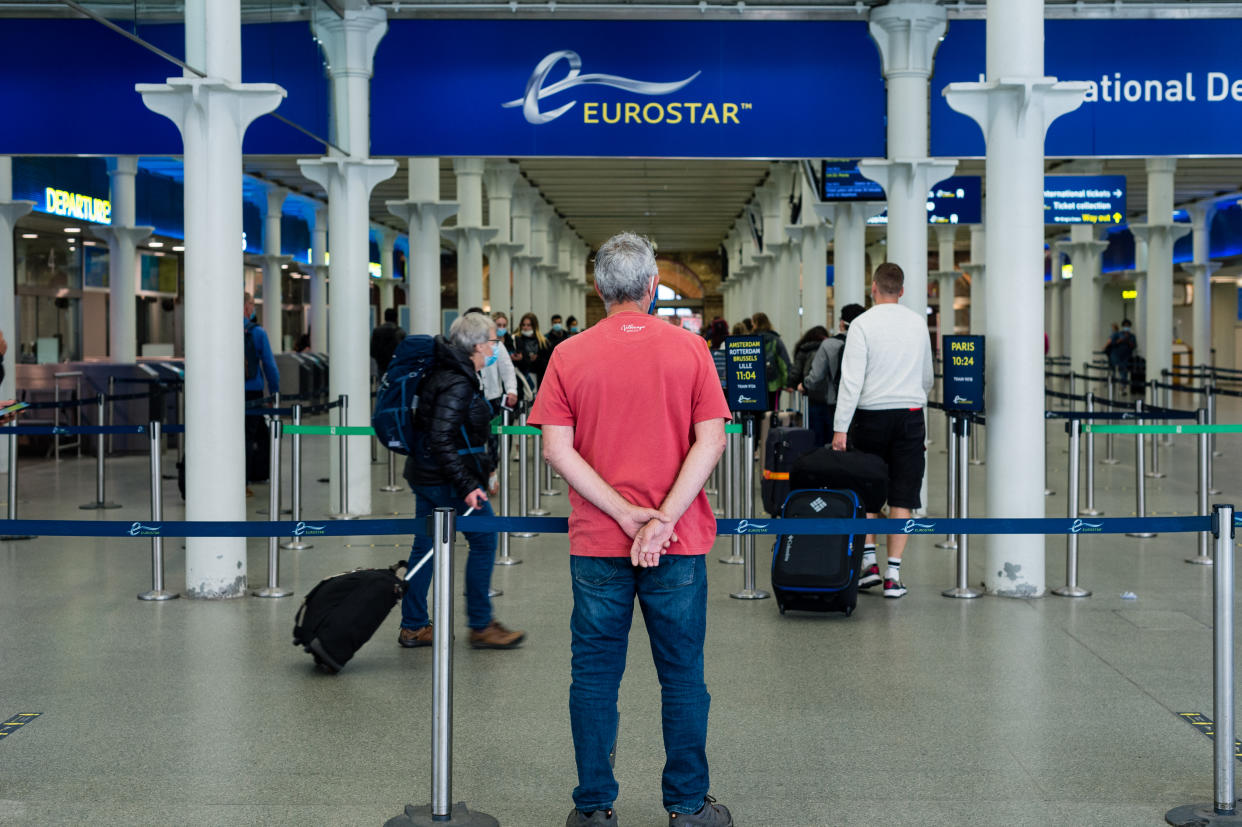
557	333
451	469
572	324
499	377
531	350
502	331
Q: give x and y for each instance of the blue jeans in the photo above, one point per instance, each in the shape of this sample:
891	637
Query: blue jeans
427	498
673	598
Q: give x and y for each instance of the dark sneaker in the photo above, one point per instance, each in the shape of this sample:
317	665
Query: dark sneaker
893	588
577	818
496	636
411	638
710	814
870	577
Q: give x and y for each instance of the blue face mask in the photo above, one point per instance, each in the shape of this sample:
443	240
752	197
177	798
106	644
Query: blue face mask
573	329
557	326
491	360
501	331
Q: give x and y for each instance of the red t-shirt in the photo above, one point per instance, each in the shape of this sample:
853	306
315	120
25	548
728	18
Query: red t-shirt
632	387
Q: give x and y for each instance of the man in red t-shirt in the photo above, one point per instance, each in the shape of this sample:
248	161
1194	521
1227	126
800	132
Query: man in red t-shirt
633	418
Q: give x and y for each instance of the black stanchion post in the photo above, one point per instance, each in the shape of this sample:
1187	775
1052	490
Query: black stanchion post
273	589
101	494
1225	805
12	490
749	592
295	480
157	592
442	810
962	591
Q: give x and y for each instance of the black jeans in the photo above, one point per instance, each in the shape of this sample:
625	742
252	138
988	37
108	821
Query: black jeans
258	458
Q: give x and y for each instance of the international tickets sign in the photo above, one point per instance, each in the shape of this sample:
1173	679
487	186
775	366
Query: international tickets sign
1085	199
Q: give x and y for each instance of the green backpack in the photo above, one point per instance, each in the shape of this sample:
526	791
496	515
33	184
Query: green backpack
776	368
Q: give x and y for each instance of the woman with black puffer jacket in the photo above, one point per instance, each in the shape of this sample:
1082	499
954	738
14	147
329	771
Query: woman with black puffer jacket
804	353
450	466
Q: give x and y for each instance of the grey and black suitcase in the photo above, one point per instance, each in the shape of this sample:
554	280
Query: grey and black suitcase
815	572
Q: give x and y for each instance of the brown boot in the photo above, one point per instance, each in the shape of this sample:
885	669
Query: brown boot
496	636
411	638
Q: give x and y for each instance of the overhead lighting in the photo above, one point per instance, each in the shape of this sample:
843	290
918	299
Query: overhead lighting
73	229
158	254
30	235
90	243
177	248
155	244
284	267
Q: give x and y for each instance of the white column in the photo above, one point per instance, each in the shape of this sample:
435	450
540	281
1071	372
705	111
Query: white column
122	238
1014	107
946	277
541	214
349	44
849	250
499	177
772	300
907	33
273	261
424	212
1201	270
388	278
1084	295
524	259
10	211
1160	232
212	113
319	282
469	234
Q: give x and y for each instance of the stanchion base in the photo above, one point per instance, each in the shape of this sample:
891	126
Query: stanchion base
1214	491
1048	492
7	537
976	462
296	545
158	595
1071	591
549	492
507	561
268	591
949	544
97	505
391	488
269	511
750	594
734	560
524	535
1111	461
422	817
538	512
1155	475
966	593
342	516
1142	535
1090	512
1201	561
1202	815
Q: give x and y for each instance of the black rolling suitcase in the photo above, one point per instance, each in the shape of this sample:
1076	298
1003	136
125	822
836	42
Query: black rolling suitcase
1138	376
342	612
782	448
815	572
864	474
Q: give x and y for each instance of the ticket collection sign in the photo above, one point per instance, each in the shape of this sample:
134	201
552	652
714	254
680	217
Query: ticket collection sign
746	382
963	366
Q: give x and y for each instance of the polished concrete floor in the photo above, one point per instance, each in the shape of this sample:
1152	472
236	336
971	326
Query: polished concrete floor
920	711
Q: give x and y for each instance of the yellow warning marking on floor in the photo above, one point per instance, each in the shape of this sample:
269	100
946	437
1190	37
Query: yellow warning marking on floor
1207	726
19	720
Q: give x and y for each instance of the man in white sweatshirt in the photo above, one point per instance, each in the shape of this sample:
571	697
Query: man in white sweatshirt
886	372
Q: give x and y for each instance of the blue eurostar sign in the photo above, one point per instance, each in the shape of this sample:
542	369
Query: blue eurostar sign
1085	199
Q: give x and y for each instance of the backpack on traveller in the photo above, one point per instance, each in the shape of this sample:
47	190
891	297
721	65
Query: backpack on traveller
397	397
251	351
777	369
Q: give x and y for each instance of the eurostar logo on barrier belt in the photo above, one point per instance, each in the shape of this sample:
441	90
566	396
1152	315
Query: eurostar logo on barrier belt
747	527
304	529
1083	527
143	530
600	112
912	527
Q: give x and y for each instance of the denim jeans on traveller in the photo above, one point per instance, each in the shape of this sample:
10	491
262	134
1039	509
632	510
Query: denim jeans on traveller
427	498
673	599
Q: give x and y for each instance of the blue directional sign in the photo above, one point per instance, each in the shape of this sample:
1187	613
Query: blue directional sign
843	182
955	200
963	373
1085	199
746	382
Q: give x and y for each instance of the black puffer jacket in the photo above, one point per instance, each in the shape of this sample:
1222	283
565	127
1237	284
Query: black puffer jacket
802	362
455	417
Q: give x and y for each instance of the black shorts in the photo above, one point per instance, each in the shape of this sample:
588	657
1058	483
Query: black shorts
898	436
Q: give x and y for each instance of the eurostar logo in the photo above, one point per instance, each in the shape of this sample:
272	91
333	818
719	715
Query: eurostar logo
961	400
913	527
141	530
1083	527
746	399
303	529
747	527
536	91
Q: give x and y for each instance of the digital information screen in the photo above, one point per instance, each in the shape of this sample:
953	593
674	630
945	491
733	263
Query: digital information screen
963	373
746	383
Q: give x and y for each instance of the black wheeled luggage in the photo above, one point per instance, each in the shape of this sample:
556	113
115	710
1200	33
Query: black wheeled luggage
815	572
1138	375
342	612
864	474
782	448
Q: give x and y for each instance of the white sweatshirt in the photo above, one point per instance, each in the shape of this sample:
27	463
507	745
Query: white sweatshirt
499	379
887	363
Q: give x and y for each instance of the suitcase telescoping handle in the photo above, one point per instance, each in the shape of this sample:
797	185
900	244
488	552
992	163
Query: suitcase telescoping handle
409	575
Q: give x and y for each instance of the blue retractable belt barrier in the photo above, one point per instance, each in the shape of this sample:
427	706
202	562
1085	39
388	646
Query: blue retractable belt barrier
560	525
269	411
44	430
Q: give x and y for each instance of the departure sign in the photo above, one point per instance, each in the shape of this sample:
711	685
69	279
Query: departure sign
843	182
963	373
746	385
1085	199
